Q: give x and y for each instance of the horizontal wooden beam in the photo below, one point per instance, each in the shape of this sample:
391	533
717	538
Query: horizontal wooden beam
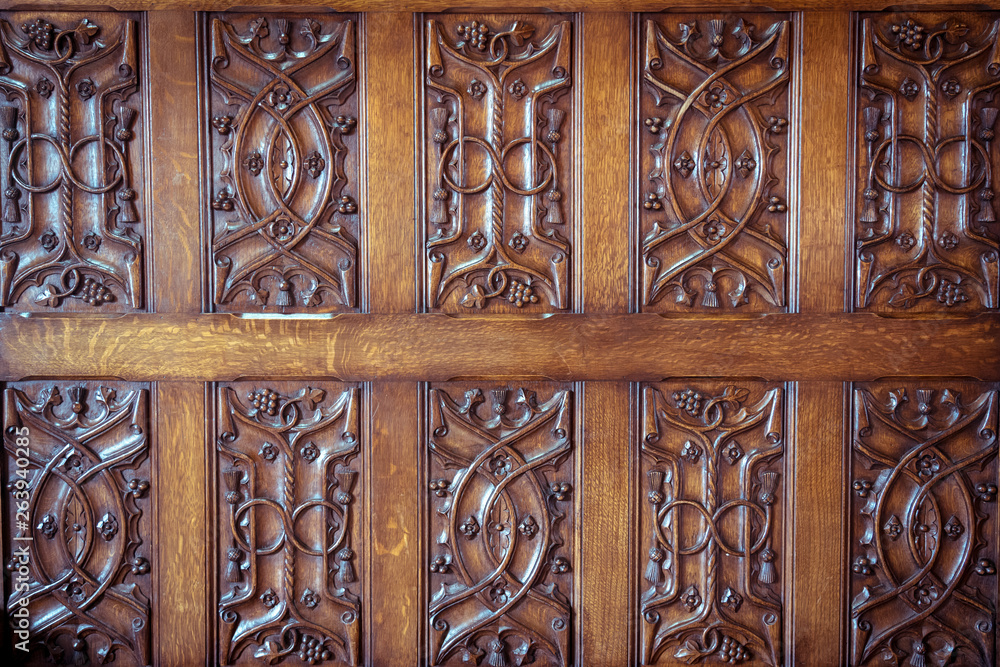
507	5
439	347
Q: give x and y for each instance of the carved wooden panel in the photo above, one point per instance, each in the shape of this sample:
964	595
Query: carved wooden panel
71	162
498	162
923	523
288	534
76	526
926	232
714	113
712	527
281	164
502	520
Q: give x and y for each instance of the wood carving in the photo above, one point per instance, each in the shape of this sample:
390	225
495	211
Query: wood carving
76	524
288	539
923	543
712	461
502	521
498	160
714	138
71	156
281	172
926	228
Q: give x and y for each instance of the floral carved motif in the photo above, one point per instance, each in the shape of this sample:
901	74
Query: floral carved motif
282	174
925	225
497	160
288	551
76	528
712	465
502	519
71	164
714	133
923	524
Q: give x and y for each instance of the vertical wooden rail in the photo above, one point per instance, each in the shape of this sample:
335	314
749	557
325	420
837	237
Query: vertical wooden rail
397	604
816	603
173	149
182	611
605	585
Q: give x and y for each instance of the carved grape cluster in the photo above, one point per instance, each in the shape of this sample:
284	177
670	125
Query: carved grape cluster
265	400
95	293
732	651
313	651
521	293
476	34
909	34
689	401
40	33
950	293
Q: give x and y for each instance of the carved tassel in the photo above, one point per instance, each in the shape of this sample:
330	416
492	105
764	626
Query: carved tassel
284	297
767	574
8	119
554	214
232	479
768	485
555	117
654	569
282	26
439	207
711	297
870	212
439	124
346	573
872	115
234	555
918	659
986	212
126	117
987	119
79	646
347	478
496	657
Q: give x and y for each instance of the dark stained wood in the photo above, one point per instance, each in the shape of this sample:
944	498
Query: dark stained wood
925	115
714	159
77	462
437	347
503	520
499	143
72	166
922	547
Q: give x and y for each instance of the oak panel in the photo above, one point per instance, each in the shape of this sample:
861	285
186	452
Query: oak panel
925	225
714	161
281	161
923	523
712	462
498	147
287	533
502	523
81	505
436	347
72	172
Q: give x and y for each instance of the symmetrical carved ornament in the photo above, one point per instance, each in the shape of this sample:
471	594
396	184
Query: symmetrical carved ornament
712	465
926	228
501	521
923	541
288	547
71	177
76	526
498	162
713	165
280	172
